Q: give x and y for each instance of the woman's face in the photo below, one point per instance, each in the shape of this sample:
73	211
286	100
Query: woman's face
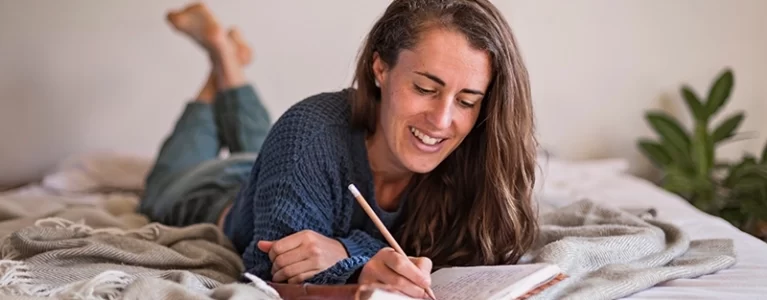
431	98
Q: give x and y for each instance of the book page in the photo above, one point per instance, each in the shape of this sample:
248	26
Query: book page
484	282
383	295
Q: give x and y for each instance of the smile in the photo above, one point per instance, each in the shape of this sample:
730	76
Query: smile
425	138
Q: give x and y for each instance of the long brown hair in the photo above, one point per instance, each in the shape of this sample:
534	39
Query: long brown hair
475	207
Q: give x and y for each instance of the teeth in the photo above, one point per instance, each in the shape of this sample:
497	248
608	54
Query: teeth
424	138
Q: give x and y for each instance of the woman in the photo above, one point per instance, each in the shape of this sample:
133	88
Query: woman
438	137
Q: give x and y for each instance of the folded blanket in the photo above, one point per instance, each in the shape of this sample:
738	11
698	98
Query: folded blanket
610	253
67	260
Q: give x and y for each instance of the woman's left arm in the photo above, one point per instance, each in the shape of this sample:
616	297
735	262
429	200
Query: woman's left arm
294	212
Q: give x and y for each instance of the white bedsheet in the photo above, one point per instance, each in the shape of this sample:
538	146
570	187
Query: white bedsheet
605	182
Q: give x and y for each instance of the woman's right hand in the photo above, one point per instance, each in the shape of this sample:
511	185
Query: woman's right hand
408	275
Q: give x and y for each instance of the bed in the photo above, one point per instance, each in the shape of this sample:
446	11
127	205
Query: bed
101	190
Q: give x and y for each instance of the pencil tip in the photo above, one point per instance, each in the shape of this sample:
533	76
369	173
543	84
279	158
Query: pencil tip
431	294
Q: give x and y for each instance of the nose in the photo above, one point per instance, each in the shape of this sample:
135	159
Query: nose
440	115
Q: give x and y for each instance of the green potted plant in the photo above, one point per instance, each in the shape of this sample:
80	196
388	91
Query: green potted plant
735	191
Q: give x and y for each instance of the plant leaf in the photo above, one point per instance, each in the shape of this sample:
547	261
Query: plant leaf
719	92
681	159
744	170
655	152
753	207
739	136
670	131
676	181
736	171
702	151
764	155
693	103
748	185
726	129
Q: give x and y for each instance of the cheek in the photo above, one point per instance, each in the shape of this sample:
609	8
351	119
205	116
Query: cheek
465	121
400	107
390	120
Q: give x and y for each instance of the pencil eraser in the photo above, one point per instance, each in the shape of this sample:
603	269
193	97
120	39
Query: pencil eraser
354	190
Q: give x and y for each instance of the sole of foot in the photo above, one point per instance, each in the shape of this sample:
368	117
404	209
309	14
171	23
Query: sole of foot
244	52
197	22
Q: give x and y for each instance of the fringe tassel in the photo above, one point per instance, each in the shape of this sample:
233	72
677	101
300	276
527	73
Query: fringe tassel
106	286
15	278
7	251
148	232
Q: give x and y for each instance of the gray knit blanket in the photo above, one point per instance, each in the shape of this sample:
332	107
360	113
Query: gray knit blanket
607	253
610	253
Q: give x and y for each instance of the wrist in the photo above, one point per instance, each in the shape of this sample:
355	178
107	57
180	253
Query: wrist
353	247
342	249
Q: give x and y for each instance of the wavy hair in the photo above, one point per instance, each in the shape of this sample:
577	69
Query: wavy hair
474	208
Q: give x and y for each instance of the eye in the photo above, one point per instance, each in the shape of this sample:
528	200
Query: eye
467	104
422	91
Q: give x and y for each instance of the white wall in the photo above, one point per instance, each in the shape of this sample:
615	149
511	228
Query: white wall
598	65
82	75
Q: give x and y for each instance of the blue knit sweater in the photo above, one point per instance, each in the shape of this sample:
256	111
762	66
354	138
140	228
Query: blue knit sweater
299	181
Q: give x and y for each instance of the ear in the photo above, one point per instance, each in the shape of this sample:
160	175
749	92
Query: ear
380	69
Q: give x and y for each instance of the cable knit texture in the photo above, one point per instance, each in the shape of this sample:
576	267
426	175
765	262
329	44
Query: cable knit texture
299	182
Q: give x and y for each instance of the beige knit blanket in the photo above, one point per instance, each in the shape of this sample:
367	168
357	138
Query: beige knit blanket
93	246
67	260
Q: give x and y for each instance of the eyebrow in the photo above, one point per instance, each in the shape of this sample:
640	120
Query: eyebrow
442	83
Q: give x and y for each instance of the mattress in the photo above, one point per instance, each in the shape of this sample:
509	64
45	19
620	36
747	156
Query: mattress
607	182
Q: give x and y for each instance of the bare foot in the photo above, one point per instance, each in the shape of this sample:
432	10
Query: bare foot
198	22
244	53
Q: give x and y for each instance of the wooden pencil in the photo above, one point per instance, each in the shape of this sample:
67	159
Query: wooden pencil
381	227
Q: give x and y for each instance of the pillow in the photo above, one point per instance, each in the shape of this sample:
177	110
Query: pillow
99	171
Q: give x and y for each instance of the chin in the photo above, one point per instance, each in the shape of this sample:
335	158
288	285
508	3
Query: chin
421	165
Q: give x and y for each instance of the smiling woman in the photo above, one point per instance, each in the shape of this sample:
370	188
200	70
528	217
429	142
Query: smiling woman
437	135
431	101
452	106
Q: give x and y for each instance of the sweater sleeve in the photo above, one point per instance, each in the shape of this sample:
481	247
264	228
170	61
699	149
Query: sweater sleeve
292	191
361	247
360	243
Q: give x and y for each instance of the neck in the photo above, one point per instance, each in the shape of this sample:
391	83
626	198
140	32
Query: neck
389	177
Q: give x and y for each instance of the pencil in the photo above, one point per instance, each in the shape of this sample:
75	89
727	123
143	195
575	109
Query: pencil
382	228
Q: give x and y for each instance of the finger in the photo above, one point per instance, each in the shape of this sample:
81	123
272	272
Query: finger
294	270
405	268
265	246
286	244
425	265
390	277
289	258
300	278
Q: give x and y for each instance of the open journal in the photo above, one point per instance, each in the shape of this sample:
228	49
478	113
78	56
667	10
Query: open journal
486	282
